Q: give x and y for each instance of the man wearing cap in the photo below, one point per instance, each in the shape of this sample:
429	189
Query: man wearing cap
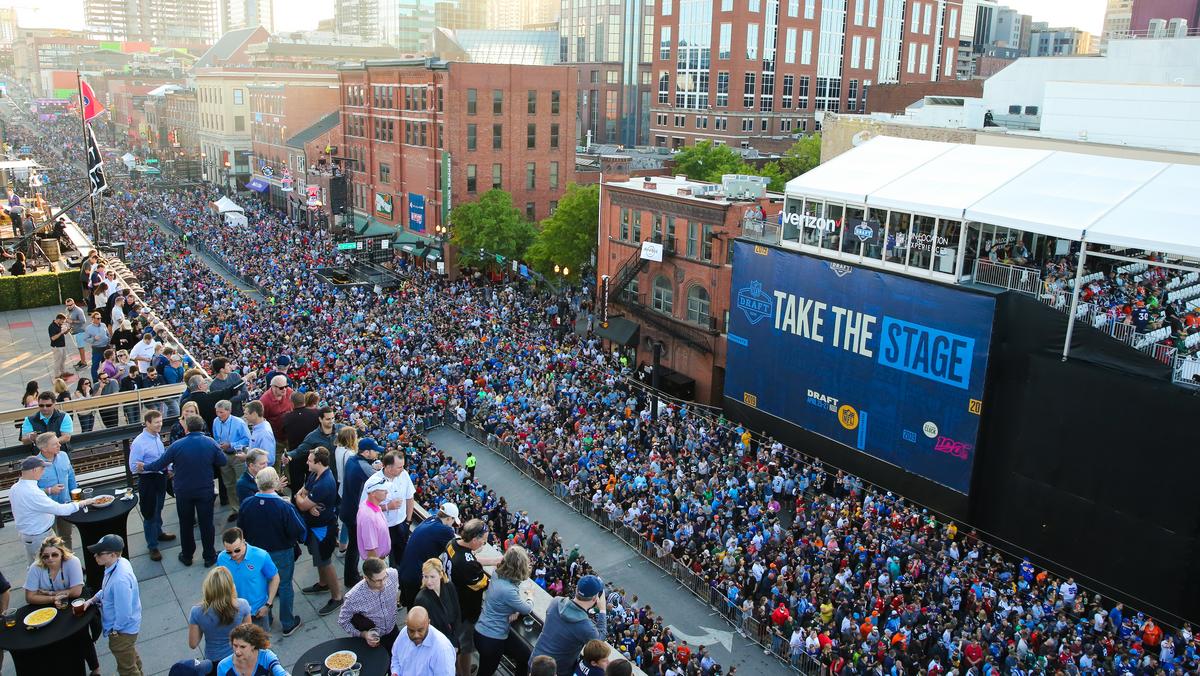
428	541
33	510
373	539
570	623
398	508
357	470
120	604
282	363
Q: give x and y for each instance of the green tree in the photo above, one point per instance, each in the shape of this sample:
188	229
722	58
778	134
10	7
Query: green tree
568	237
490	223
802	156
707	162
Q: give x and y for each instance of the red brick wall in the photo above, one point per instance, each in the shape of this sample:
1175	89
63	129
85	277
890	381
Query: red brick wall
895	98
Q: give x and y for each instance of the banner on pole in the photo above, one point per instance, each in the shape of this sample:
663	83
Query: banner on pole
95	164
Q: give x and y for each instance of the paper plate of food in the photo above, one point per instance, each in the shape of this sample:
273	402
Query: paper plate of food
341	660
41	617
104	501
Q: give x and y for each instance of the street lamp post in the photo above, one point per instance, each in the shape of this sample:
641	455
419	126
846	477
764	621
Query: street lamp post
443	234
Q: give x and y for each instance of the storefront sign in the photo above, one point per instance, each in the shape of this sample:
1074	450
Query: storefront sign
810	222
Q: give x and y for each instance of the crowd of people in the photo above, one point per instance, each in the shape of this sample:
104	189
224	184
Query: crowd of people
842	573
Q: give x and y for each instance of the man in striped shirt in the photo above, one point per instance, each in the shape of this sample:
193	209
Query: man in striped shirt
369	608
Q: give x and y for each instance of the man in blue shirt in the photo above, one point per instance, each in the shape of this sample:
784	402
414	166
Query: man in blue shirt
318	502
152	486
58	480
254	575
47	419
193	457
233	436
120	604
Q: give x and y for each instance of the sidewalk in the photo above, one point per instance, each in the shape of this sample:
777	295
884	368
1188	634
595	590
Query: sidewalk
613	559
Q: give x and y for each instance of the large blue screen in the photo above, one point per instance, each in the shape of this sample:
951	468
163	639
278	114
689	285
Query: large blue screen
886	364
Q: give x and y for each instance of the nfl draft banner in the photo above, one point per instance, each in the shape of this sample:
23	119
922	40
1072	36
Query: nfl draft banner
95	164
888	365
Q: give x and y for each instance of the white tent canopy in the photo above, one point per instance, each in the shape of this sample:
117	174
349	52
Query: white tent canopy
226	205
235	218
1091	198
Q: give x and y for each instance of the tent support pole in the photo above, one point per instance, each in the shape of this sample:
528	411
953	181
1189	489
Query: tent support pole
1074	301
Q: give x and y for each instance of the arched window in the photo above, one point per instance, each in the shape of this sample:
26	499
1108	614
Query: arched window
698	306
664	296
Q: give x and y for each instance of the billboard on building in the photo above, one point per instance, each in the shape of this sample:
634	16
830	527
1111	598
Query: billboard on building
891	366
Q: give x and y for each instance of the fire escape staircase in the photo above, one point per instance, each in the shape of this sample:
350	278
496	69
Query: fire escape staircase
693	336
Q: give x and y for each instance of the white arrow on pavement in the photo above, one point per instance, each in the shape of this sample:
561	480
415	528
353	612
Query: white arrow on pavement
709	637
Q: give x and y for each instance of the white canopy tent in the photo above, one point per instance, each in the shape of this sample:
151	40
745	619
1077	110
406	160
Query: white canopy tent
1092	199
235	218
226	205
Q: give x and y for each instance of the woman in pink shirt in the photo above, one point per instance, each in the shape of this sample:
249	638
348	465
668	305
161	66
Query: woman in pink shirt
373	538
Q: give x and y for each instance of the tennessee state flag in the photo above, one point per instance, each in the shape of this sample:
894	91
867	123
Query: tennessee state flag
91	107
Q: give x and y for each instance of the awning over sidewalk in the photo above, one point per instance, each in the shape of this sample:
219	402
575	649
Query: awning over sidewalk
619	330
257	185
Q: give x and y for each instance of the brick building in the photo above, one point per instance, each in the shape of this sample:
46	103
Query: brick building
423	135
279	110
682	301
731	70
320	188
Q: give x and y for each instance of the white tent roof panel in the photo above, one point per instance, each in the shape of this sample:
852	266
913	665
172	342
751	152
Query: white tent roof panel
225	205
1164	209
852	176
1063	194
958	179
1108	200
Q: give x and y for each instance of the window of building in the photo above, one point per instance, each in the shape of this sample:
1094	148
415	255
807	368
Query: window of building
471	178
554	136
1014	110
664	43
555	96
624	225
748	90
693	241
752	42
530	212
722	89
612	77
803	102
472	101
553	206
239	98
789	82
754	5
497	136
726	43
721	123
239	122
1031	110
385	172
680	120
554	175
497	182
698	306
497	101
666	7
531	104
664	87
664	296
726	5
706	241
471	136
530	175
531	136
702	122
747	124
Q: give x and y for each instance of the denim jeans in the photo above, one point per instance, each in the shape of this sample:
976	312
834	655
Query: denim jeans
285	562
152	489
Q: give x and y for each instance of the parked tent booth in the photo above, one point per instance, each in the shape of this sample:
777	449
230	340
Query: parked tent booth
229	211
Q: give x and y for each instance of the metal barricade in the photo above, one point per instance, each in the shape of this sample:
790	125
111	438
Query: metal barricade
1012	277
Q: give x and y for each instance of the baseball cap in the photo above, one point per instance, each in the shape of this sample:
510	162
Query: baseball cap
33	462
589	586
108	543
369	444
376	481
283	360
451	510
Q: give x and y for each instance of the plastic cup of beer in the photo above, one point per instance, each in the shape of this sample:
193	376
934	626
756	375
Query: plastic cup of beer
77	607
10	618
76	494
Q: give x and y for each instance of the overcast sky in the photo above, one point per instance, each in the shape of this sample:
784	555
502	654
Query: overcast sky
304	14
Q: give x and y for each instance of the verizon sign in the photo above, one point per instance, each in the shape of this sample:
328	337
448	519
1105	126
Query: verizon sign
807	222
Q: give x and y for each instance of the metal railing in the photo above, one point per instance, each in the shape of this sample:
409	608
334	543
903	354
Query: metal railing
1102	319
704	588
1185	370
762	231
1012	277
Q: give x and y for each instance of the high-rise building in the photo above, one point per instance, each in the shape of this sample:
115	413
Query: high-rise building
1117	18
522	14
161	21
1062	41
613	52
407	24
730	71
237	14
